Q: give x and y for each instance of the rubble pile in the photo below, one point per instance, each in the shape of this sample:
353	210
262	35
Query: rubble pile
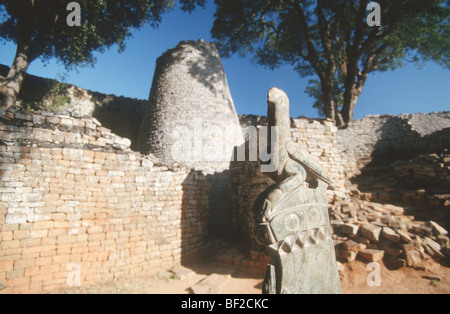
373	232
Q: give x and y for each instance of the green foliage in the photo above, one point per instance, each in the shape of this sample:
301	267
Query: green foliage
56	97
331	39
42	25
44	94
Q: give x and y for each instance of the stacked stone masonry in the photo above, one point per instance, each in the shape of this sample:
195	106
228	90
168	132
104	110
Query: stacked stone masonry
74	197
190	103
383	139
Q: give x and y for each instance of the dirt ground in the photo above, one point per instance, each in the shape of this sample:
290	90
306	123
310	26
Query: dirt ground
434	280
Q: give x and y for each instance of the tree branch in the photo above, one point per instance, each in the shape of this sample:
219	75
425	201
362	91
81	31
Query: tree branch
325	36
313	56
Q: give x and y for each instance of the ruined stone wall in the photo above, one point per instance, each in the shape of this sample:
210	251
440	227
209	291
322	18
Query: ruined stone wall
430	170
122	115
73	196
385	139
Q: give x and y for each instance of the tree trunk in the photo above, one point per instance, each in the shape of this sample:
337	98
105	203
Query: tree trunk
329	106
351	98
339	120
10	85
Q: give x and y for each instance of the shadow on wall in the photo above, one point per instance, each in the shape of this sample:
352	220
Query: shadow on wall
122	115
399	141
405	158
209	71
194	218
219	212
247	183
204	65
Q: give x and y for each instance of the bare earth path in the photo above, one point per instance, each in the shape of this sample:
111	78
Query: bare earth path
208	278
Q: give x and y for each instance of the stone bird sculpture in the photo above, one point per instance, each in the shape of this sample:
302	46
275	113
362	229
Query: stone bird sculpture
292	219
295	166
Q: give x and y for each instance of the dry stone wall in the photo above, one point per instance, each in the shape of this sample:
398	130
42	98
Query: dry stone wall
384	139
74	197
430	170
122	115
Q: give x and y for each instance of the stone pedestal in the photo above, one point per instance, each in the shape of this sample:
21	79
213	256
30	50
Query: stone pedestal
303	259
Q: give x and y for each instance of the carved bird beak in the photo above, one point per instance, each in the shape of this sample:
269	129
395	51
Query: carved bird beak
271	97
275	96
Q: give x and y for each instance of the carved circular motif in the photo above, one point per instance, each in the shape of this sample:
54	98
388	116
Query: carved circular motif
292	222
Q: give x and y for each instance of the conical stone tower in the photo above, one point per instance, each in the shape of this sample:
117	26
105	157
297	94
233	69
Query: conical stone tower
191	119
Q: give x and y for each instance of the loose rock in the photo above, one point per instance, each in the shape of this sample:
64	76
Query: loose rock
349	229
371	232
371	255
437	229
390	235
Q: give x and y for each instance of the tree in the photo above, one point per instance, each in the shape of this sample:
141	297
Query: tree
40	28
332	40
314	90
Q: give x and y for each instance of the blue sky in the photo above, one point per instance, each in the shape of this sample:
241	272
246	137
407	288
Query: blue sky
407	90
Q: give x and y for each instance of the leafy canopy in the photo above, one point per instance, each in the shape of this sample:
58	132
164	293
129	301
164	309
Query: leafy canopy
42	26
331	38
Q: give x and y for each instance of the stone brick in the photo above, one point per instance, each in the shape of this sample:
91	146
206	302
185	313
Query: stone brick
100	156
24	263
6	236
405	236
14	274
21	234
437	229
10	244
49	269
349	229
61	259
371	232
349	256
353	246
43	225
31	272
43	261
6	266
390	235
39	233
371	255
413	259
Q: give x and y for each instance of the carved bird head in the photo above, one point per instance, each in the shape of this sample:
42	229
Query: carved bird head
278	112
